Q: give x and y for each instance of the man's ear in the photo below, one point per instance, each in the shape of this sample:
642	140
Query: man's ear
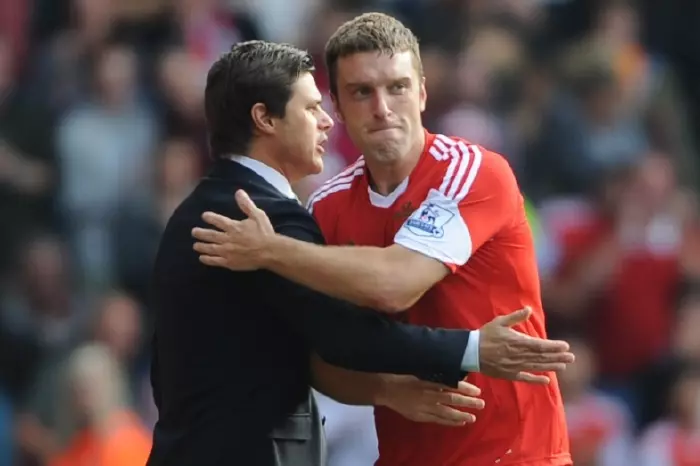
336	109
262	121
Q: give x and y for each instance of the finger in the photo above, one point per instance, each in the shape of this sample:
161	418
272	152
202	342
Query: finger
531	357
525	342
209	236
553	358
545	367
448	413
541	367
207	249
532	378
465	388
246	204
435	419
212	261
534	357
457	399
219	221
515	318
550	346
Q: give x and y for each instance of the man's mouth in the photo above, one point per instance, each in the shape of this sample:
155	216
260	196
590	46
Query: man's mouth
382	128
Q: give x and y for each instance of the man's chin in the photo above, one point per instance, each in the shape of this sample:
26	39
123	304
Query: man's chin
317	166
313	168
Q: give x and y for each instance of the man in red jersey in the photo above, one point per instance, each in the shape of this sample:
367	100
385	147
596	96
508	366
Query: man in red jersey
439	237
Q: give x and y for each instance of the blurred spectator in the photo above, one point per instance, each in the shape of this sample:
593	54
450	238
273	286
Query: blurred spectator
109	434
26	160
208	29
104	146
140	220
146	25
40	313
42	430
616	38
119	328
182	94
675	440
62	72
590	134
621	273
493	50
41	304
658	383
439	75
600	427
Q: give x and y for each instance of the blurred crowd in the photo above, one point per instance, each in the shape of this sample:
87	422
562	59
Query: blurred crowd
596	104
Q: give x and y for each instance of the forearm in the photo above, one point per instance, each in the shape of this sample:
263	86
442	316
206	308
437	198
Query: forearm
346	386
362	275
359	339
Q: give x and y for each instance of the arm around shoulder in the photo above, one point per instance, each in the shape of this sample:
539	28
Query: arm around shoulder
359	339
388	279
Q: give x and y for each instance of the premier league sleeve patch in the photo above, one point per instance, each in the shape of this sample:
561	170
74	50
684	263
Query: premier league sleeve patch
429	220
437	229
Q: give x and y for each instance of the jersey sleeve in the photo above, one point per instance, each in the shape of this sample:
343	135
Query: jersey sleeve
467	210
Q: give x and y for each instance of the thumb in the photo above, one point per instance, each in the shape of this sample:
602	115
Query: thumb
246	204
516	317
468	389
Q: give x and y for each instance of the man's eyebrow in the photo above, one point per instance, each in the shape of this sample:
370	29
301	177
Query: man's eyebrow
358	84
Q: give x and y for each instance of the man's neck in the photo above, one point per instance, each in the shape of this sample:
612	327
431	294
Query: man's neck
266	156
385	177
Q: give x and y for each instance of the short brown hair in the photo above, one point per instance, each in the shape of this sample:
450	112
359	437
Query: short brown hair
370	32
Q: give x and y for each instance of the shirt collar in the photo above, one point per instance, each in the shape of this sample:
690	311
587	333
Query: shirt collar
266	172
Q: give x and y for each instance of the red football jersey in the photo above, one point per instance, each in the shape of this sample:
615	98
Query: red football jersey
462	206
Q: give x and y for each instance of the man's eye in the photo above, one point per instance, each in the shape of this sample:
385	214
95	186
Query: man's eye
362	92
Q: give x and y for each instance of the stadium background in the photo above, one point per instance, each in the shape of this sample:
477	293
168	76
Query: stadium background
595	103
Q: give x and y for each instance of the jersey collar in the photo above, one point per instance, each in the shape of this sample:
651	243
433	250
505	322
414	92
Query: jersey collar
384	202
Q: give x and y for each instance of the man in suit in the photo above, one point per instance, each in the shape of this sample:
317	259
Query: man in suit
235	352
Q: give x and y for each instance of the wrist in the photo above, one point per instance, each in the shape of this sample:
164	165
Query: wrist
382	390
272	252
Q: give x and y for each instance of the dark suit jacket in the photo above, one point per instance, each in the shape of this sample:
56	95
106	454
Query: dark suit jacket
231	349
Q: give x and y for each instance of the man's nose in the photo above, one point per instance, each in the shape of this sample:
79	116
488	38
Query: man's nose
325	122
380	106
